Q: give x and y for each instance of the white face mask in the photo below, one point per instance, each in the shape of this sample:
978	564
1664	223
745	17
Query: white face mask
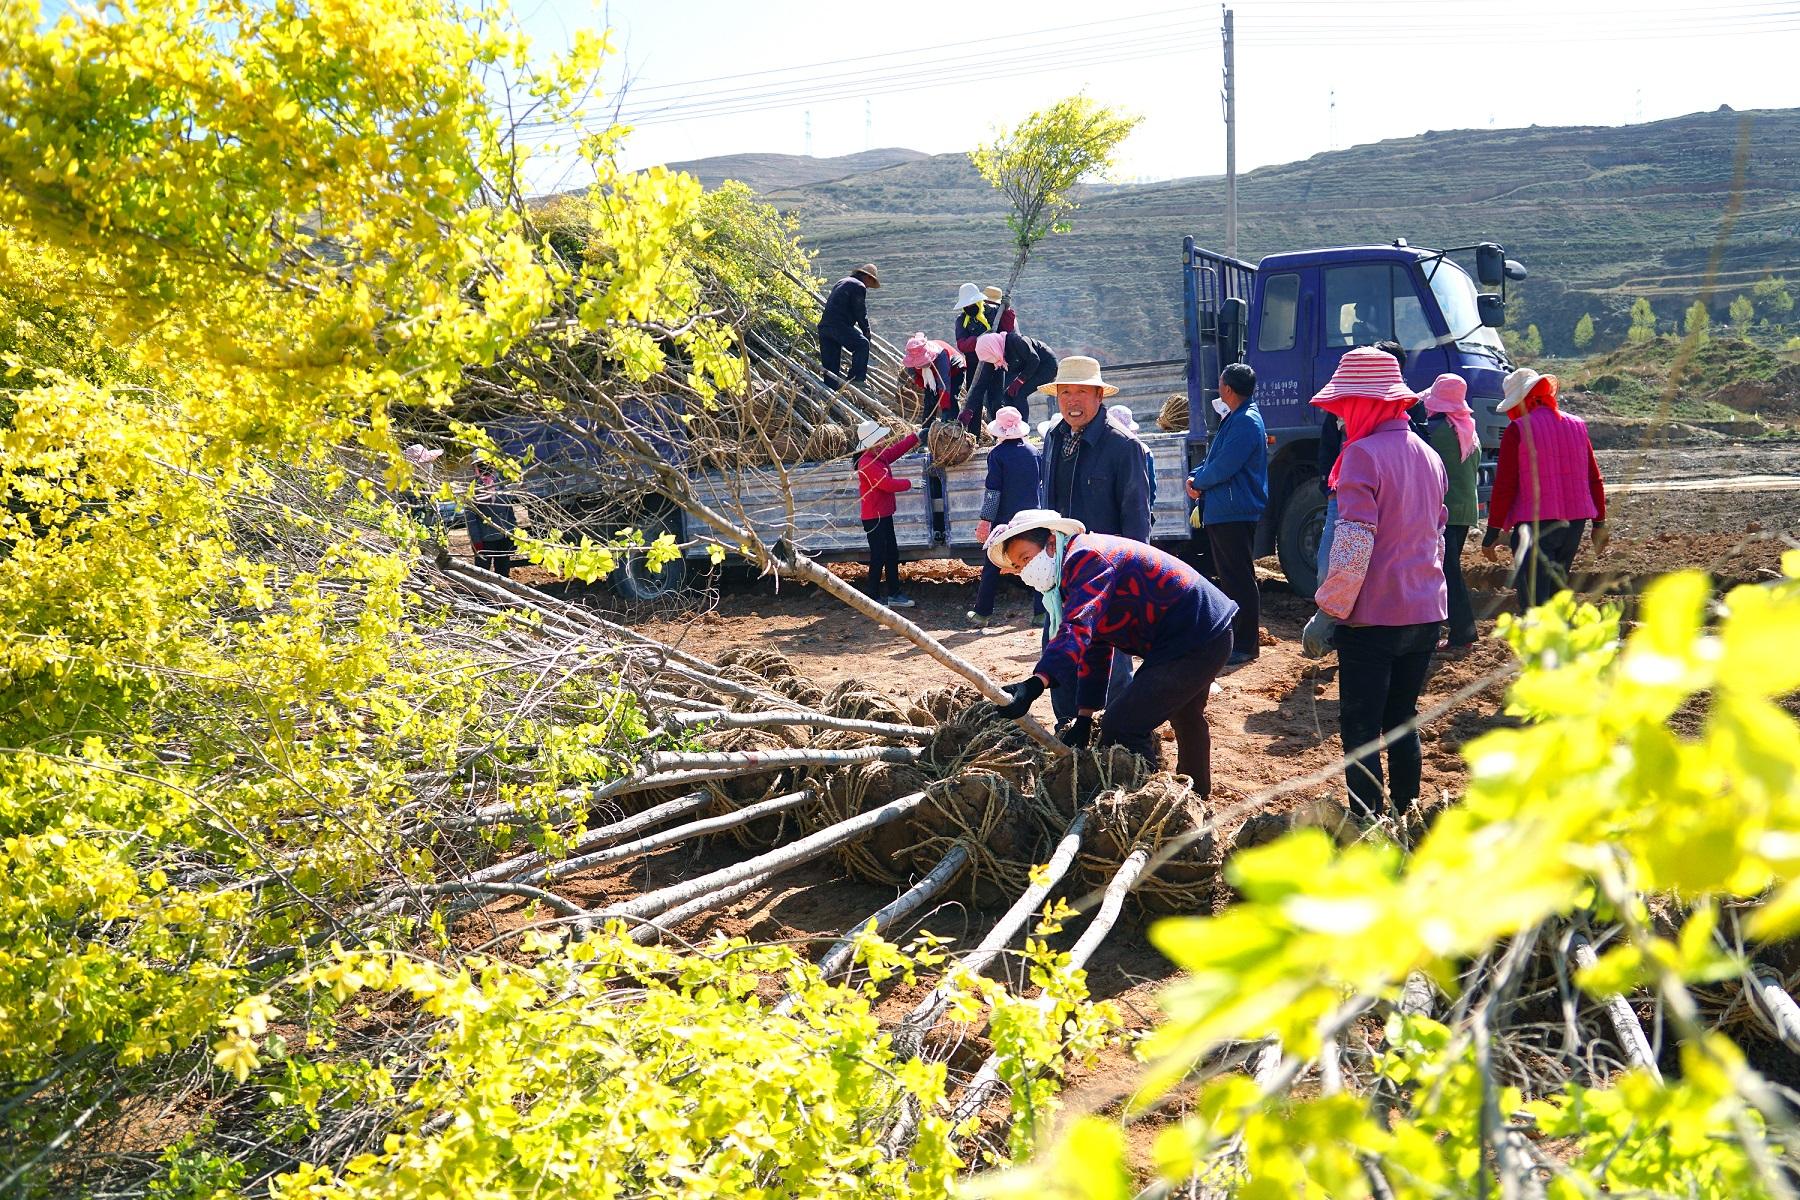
1220	407
1040	573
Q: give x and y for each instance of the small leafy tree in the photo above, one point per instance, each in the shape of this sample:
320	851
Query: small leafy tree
1534	341
1584	331
1698	322
1643	322
1742	311
1772	297
1037	164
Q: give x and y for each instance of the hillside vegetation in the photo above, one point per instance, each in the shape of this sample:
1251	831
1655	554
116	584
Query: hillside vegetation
768	172
1600	215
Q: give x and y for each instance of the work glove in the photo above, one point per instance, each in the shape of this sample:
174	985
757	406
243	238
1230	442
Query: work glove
1077	734
1012	389
1022	693
1315	639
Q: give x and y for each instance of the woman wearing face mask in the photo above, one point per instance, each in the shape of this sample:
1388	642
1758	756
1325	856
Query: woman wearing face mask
1106	594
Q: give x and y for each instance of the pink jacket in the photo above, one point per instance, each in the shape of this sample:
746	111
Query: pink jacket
1387	554
877	483
1547	472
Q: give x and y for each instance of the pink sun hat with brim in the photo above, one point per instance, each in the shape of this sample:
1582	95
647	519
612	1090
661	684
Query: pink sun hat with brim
991	348
1367	373
1008	424
1027	519
918	351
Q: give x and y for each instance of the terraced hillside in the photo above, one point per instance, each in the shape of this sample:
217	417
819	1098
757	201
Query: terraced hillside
1599	214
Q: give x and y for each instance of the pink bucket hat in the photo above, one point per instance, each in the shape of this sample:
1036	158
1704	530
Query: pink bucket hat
1366	372
918	351
991	348
1008	423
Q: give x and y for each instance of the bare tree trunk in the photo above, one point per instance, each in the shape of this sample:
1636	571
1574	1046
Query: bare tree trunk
770	760
1626	1027
1769	999
766	720
800	566
666	811
792	855
902	906
669	837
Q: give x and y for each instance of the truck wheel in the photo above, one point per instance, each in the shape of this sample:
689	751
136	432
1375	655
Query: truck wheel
634	580
1297	540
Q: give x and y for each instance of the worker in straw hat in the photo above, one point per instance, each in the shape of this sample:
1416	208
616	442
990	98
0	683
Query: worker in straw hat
1385	582
1109	596
1546	488
1093	473
1009	317
877	486
1013	479
844	325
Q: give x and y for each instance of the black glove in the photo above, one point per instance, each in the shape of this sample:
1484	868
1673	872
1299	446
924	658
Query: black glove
1078	733
1022	693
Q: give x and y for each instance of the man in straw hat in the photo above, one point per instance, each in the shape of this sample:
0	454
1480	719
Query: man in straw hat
844	325
1111	597
1385	582
1094	474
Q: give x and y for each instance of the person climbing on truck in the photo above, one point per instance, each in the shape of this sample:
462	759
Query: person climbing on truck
935	368
1452	434
1548	486
1013	479
877	486
1233	487
1111	597
844	325
1011	367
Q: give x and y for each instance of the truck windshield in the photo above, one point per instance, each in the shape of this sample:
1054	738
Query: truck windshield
1455	293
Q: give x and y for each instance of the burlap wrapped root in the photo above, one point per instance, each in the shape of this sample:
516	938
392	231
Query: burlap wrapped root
1002	829
883	856
729	795
1164	817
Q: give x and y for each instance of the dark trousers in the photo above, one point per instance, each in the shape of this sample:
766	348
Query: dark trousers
1173	690
1462	605
490	528
1381	671
833	343
986	394
1544	569
884	557
984	592
1233	545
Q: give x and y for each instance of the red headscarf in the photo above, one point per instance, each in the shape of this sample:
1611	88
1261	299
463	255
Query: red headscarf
1365	390
1541	395
1360	414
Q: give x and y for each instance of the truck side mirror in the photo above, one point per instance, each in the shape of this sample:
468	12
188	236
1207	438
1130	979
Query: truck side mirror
1234	329
1515	270
1490	264
1492	307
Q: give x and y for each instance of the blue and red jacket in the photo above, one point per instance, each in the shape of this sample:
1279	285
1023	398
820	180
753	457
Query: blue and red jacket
942	376
1119	594
984	318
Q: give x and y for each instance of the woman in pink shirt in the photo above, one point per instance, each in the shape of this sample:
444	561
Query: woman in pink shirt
1385	581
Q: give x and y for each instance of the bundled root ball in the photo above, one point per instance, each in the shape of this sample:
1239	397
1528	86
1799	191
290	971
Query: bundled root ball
762	662
732	794
951	445
941	705
984	812
1074	779
827	442
1165	817
882	856
801	691
1174	416
856	702
978	739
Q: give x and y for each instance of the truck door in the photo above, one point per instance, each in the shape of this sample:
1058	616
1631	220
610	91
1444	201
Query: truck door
1374	302
1278	351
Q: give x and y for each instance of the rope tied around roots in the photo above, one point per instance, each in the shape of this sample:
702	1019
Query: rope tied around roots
977	739
1073	780
760	661
943	705
828	442
883	857
1174	417
951	445
1162	813
1003	831
729	795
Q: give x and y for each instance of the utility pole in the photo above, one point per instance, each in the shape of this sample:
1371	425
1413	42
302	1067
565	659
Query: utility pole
1231	243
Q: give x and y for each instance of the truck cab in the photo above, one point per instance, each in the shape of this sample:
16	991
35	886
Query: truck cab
1293	316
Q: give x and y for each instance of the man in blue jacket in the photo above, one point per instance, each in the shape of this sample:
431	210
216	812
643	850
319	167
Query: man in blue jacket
844	325
1233	486
1095	474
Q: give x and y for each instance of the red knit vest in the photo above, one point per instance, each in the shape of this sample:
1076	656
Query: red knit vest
1553	469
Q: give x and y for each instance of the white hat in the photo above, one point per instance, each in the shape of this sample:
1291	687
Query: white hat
1044	427
1512	392
969	294
867	434
1027	519
1077	370
1120	416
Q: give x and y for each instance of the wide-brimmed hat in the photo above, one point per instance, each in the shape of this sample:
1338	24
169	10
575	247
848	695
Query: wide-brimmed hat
918	351
1009	422
994	294
1028	519
1119	415
867	271
968	294
1044	427
868	433
1367	372
1518	382
419	455
1078	370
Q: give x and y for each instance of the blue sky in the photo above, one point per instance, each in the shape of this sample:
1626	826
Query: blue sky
713	77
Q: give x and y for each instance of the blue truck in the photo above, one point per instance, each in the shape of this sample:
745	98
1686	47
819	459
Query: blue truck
1292	317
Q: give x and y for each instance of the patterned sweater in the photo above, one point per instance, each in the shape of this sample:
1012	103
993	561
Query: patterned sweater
1119	594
